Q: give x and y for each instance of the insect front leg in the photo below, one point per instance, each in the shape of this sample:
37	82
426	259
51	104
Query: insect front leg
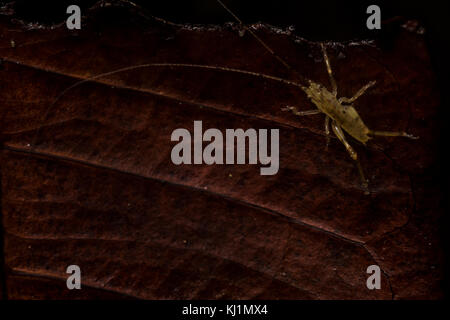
300	113
358	94
340	134
330	72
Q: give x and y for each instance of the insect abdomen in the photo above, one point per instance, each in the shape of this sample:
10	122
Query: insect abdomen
349	120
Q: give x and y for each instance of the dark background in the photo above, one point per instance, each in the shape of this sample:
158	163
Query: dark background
313	19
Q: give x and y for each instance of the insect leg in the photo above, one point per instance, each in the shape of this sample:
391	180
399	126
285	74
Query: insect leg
358	94
340	134
300	113
392	134
330	72
327	130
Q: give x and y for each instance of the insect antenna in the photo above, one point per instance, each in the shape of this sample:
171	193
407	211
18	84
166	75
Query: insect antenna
263	43
145	13
149	65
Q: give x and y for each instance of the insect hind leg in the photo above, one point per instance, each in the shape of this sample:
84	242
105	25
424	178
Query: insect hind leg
340	135
327	131
392	134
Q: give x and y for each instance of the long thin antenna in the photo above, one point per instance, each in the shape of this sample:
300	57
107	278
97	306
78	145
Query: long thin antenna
148	65
147	15
265	45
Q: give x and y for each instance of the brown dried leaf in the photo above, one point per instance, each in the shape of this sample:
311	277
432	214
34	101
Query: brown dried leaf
89	180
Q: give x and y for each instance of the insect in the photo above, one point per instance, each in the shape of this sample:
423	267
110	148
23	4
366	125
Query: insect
340	114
